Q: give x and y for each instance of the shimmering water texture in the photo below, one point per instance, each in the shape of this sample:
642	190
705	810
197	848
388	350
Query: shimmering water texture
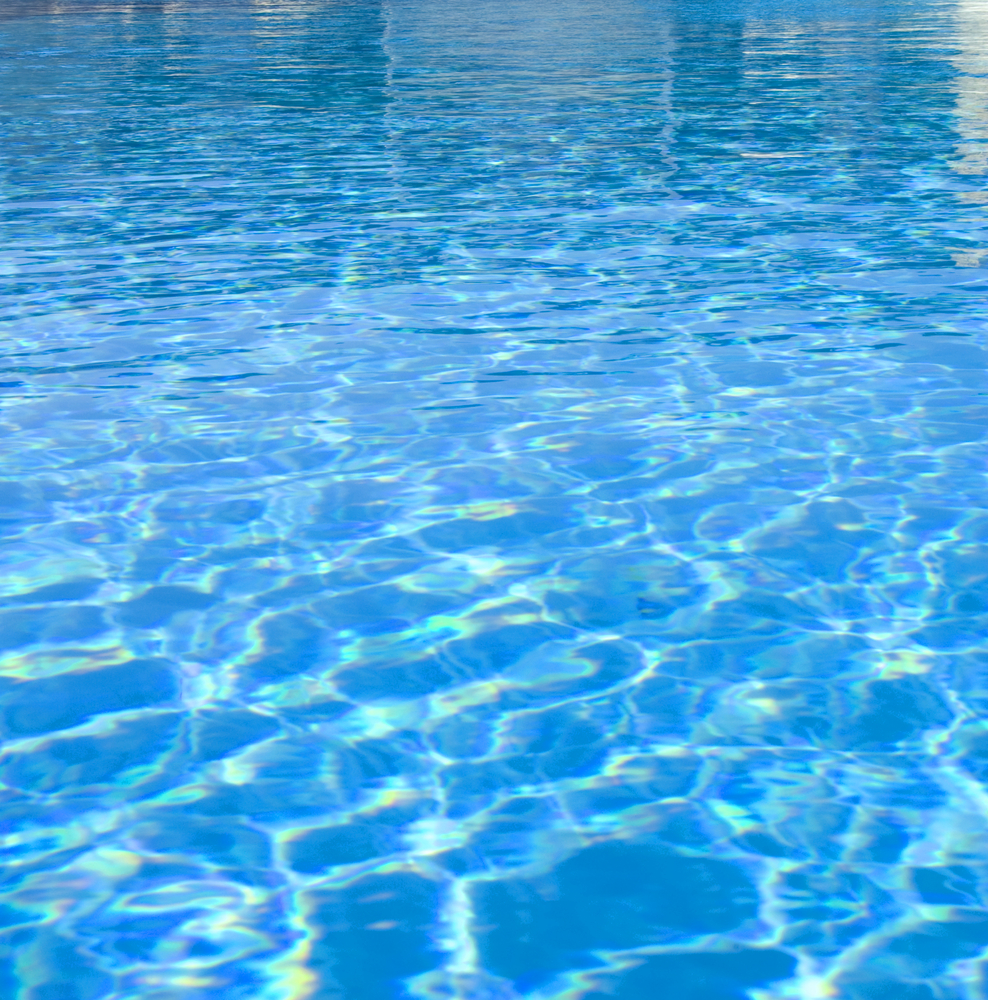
493	500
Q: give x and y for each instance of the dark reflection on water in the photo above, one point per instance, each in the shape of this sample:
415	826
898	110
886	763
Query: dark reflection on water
493	500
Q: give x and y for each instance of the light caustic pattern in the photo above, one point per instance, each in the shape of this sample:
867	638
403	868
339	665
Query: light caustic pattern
493	500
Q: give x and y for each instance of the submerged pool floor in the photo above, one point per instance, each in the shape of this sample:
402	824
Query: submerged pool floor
493	500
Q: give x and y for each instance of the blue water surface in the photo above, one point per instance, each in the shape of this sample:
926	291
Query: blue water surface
493	499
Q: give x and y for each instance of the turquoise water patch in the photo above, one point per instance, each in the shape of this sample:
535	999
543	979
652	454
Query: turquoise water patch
493	500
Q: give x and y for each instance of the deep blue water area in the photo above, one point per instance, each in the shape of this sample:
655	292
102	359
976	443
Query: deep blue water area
493	500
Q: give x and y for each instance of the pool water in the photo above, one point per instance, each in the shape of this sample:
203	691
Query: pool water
494	499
